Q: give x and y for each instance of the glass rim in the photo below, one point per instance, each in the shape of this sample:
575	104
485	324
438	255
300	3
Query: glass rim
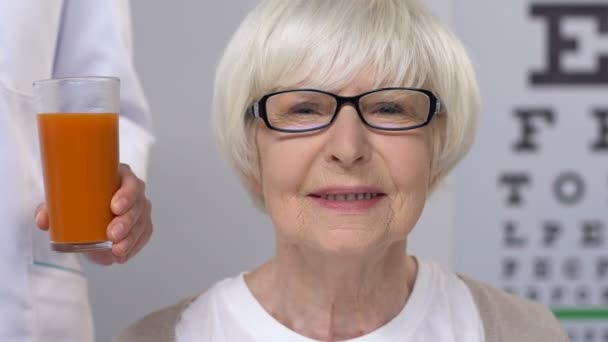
76	80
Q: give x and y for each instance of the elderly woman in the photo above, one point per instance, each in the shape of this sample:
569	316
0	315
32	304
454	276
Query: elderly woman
341	117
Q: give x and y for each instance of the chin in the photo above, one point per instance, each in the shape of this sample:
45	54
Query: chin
348	242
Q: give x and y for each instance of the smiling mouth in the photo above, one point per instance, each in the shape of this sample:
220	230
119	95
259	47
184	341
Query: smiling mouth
349	197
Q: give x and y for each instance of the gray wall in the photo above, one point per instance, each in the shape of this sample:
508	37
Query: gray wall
206	228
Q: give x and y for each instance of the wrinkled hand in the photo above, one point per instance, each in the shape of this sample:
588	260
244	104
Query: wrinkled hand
132	227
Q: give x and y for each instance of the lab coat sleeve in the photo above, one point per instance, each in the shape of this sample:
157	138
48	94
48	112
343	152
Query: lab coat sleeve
95	40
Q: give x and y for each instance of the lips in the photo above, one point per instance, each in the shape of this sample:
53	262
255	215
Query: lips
348	199
350	196
348	192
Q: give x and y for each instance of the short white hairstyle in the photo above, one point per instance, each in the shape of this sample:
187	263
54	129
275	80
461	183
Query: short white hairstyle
326	44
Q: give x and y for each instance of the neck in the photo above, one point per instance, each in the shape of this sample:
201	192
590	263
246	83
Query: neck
333	298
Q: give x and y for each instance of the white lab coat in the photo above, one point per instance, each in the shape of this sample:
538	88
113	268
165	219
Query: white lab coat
43	294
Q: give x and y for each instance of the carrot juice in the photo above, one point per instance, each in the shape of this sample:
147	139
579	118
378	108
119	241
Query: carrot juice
80	166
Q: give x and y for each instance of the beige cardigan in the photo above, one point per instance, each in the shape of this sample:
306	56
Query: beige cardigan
506	318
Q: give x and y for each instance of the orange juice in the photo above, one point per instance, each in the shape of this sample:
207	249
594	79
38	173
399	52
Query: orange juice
80	165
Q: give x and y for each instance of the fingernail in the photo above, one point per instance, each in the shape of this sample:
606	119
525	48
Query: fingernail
117	232
118	204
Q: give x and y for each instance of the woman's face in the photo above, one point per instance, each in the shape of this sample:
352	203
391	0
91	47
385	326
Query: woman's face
347	189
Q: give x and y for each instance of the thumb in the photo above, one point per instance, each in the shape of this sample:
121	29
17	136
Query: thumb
42	217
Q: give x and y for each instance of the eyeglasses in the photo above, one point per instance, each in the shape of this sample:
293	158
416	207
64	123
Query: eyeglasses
305	110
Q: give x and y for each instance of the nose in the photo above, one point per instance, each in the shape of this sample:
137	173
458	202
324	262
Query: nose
348	142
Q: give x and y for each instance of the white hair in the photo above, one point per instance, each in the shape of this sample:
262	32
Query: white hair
325	44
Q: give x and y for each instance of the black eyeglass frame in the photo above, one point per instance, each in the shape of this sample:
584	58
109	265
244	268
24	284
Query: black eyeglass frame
258	109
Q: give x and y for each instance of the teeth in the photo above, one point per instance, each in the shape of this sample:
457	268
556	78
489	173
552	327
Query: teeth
350	197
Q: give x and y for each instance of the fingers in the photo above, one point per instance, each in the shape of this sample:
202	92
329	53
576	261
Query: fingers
138	246
42	217
143	240
131	189
131	229
122	226
137	236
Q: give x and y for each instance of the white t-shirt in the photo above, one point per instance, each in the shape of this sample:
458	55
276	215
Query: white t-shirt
439	309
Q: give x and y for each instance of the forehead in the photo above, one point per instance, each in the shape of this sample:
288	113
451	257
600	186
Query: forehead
366	80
